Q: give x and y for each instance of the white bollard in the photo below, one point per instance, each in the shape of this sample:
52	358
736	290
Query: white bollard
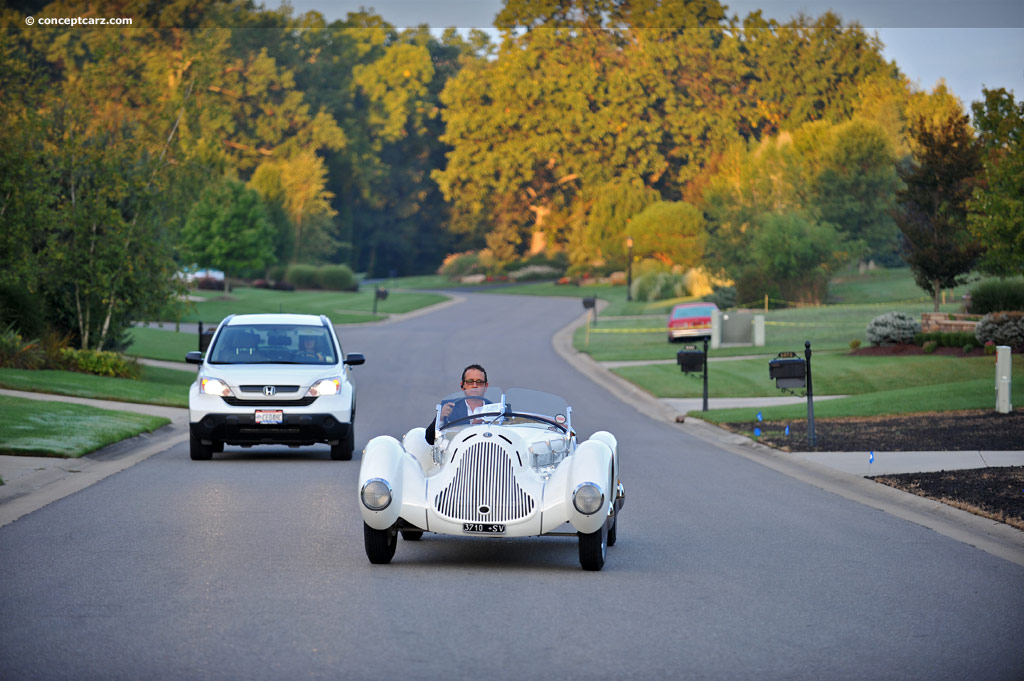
1003	368
759	331
716	329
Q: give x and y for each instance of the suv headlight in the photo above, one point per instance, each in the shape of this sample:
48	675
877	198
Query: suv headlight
588	498
214	386
376	494
326	386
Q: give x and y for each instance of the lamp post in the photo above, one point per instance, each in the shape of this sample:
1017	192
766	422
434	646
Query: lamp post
629	269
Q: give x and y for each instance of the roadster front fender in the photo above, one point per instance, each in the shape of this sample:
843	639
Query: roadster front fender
592	463
383	460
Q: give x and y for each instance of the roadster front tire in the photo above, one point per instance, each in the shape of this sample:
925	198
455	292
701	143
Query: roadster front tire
593	549
380	544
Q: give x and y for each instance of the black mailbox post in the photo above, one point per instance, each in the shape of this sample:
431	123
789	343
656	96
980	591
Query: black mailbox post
789	371
204	338
691	360
590	303
379	294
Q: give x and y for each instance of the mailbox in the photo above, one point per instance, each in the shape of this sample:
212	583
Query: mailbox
690	359
204	339
382	294
788	370
588	303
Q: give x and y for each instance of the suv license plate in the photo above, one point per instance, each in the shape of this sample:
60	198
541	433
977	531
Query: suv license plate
483	528
270	416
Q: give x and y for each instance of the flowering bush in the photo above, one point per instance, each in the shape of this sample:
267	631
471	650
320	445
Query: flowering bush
892	328
1002	328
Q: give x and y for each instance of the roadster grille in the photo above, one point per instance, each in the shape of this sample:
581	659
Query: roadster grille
484	488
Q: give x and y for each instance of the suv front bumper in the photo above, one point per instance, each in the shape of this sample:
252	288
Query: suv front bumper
296	429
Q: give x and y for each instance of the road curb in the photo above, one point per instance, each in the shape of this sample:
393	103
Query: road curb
43	480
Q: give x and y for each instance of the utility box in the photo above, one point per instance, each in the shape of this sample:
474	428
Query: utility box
690	359
788	371
1003	369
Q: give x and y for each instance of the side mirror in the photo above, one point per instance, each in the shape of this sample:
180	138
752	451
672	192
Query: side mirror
194	357
354	359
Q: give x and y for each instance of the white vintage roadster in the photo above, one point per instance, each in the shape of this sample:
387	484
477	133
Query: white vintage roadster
502	464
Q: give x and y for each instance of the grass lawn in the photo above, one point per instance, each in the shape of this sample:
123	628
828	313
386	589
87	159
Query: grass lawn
166	387
342	307
976	394
165	344
36	428
832	374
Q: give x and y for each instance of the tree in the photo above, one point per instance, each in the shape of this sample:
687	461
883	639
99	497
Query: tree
932	208
670	231
228	229
856	188
795	256
996	216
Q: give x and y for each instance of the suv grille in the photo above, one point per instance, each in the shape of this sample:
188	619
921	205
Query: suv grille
236	402
279	388
484	479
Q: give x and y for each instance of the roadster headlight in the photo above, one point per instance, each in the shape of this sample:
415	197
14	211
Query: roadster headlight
588	498
214	386
327	386
376	494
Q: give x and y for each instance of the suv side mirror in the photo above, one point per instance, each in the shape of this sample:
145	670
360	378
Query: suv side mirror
354	359
194	357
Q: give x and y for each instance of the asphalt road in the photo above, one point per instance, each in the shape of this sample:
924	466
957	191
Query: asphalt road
251	566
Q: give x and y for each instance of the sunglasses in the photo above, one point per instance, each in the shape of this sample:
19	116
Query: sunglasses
474	381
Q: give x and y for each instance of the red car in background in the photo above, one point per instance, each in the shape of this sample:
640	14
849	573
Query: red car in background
690	320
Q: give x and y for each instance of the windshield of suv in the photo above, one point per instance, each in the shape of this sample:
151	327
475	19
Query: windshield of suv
514	406
273	344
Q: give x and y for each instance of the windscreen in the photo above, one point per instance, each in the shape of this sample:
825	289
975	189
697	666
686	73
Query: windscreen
273	343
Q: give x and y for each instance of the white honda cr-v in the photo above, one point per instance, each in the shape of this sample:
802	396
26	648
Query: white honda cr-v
273	379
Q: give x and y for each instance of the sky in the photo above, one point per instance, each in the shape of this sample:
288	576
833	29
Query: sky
969	43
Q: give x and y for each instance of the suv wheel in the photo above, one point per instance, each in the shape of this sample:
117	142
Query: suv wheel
197	450
343	450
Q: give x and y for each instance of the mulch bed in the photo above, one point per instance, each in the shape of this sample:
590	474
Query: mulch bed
996	493
984	430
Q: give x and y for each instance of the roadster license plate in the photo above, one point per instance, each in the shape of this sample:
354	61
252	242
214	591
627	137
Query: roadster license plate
270	417
483	528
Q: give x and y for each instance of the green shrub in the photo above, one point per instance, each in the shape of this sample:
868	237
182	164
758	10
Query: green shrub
22	309
946	339
301	276
100	362
930	346
855	343
658	286
997	296
968	347
460	264
18	353
892	328
336	278
1002	328
724	297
